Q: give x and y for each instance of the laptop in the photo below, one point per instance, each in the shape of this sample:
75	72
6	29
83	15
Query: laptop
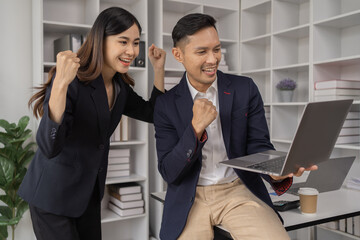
329	177
313	142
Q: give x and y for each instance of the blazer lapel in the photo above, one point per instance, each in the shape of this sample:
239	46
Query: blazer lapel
184	102
226	95
99	98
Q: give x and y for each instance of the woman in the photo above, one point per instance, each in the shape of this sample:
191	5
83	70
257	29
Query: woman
81	105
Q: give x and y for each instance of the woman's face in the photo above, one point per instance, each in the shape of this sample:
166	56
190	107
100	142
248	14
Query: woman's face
120	50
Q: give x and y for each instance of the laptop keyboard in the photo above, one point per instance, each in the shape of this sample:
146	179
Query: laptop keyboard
274	165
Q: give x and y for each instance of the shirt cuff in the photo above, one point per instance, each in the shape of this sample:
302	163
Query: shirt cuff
281	187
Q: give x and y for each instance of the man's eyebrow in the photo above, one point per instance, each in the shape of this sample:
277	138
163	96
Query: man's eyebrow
204	48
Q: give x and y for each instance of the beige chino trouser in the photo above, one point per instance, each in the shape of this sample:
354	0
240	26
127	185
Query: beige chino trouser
237	209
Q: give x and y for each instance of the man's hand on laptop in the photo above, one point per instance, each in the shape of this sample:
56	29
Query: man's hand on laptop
299	172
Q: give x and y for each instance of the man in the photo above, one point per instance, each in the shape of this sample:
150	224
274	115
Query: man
207	118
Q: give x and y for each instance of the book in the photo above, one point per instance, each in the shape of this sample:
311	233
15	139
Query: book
114	167
125	212
336	97
342	225
117	133
71	42
351	123
348	139
356	222
128	204
119	152
125	188
124	128
349	225
118	160
118	173
337	91
353	115
337	83
126	197
350	131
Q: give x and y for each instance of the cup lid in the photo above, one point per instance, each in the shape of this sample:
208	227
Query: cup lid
308	191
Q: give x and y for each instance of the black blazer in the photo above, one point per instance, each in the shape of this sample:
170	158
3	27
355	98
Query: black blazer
73	154
179	151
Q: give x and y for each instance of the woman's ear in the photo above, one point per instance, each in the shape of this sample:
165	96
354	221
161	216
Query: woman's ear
176	51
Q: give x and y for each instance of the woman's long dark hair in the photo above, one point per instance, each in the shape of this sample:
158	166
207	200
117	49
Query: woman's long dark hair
111	21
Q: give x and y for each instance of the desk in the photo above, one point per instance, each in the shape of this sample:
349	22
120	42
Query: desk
332	206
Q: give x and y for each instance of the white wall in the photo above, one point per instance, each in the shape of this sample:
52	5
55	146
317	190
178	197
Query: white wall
16	73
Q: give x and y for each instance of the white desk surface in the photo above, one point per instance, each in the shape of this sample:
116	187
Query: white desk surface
331	206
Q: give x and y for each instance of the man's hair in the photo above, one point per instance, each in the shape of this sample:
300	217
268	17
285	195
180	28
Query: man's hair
190	24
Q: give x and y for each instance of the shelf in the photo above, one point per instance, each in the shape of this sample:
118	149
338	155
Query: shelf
291	47
131	178
290	14
327	9
127	143
337	38
65	28
295	67
109	216
344	61
287	104
342	21
256	54
256	20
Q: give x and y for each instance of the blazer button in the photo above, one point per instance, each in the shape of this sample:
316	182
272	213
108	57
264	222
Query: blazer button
189	152
101	146
101	169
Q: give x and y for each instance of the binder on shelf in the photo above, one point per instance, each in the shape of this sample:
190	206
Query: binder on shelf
127	204
349	225
140	59
125	212
337	83
71	42
126	197
125	188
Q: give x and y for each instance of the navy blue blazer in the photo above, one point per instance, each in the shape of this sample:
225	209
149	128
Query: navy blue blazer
244	131
73	154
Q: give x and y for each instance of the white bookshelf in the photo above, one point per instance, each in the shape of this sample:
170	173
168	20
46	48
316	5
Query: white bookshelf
55	18
309	41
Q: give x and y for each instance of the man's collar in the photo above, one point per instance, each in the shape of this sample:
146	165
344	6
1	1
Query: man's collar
194	92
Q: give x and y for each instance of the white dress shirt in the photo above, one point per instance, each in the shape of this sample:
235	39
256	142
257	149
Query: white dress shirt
214	150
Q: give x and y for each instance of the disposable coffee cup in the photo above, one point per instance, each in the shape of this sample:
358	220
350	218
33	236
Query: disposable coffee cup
308	200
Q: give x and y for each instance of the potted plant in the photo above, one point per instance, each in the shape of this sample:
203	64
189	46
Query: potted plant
286	88
15	154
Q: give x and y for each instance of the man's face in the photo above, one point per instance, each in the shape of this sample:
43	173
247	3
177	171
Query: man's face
200	54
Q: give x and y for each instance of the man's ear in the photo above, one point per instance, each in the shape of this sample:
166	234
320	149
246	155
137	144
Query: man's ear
176	51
